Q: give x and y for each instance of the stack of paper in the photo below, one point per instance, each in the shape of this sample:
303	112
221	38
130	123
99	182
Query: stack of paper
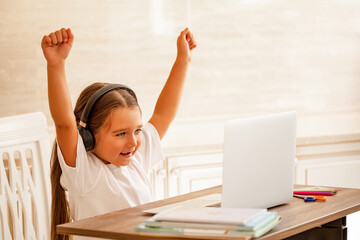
207	221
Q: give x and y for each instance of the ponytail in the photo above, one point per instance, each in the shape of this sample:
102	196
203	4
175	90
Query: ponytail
59	205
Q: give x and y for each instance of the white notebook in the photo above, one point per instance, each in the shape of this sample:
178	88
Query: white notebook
238	216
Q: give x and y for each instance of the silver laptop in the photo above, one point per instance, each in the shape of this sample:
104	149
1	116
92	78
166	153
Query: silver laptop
259	155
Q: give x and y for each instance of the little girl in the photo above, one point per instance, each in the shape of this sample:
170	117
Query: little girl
103	152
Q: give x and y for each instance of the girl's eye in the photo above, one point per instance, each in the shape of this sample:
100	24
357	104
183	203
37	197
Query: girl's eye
138	131
120	134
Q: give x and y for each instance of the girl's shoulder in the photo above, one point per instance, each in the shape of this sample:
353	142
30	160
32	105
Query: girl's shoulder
149	129
150	136
150	152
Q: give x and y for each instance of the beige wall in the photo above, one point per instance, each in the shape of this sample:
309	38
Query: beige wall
253	56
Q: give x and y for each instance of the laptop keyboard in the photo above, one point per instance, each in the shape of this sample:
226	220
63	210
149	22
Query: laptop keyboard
216	205
212	200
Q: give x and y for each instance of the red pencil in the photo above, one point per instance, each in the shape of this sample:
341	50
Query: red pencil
314	193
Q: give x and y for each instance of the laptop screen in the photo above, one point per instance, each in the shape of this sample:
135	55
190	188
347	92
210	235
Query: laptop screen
259	155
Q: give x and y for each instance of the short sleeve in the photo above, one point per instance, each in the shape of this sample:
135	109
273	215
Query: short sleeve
150	150
81	178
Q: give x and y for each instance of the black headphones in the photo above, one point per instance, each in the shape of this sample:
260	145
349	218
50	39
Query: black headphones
85	133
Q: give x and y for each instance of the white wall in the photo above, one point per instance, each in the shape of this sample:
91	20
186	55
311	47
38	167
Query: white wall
253	56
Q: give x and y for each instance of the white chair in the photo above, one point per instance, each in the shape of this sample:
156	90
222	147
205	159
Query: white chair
24	177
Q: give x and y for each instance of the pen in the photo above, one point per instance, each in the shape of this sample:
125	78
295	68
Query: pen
311	198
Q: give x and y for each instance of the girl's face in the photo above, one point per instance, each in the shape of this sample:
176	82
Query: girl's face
120	136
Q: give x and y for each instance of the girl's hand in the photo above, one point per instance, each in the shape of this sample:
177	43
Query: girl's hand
57	45
185	44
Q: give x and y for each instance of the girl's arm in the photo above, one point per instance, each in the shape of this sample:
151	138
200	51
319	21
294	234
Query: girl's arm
169	99
56	47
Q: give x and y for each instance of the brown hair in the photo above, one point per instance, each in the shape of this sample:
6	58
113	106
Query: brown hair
118	98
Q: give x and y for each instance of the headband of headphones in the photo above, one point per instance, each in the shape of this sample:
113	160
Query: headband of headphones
98	94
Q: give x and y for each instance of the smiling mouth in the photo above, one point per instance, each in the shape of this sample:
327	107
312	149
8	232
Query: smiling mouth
126	155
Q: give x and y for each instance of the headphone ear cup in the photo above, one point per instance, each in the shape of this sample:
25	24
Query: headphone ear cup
87	137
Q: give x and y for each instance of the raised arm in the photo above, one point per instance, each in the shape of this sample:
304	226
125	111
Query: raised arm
169	99
56	47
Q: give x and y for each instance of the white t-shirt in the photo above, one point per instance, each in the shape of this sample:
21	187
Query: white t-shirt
96	188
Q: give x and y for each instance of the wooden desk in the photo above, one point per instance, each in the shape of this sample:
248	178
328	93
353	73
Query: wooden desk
297	217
